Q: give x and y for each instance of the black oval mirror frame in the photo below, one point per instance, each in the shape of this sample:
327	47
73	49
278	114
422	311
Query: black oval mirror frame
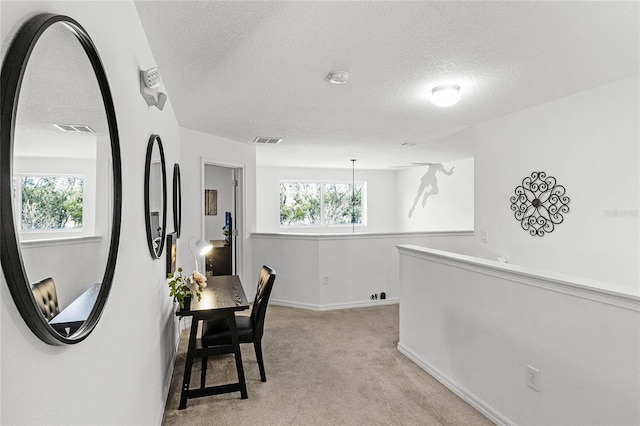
177	200
13	70
155	250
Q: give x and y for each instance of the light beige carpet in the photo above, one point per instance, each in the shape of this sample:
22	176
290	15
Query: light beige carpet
323	368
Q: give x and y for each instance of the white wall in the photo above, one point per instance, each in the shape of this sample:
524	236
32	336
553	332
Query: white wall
196	146
220	179
589	142
381	187
121	372
333	271
447	209
475	325
74	264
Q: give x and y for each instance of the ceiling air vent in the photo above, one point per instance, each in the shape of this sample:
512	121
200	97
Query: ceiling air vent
268	141
84	129
77	128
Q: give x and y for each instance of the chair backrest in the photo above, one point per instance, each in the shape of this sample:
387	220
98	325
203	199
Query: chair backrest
259	309
46	297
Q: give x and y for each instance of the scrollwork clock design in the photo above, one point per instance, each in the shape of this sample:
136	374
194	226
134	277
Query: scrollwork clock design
539	204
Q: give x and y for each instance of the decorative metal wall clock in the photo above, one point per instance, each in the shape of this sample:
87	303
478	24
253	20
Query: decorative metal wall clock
539	204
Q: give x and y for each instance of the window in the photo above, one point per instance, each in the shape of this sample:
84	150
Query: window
321	203
300	203
50	203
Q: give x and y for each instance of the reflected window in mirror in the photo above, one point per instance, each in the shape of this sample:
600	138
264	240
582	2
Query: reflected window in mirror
48	151
49	203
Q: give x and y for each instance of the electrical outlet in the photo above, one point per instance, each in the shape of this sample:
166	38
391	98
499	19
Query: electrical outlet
485	236
533	378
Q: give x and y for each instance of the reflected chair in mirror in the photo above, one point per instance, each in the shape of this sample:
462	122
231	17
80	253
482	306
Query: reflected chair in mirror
46	297
250	328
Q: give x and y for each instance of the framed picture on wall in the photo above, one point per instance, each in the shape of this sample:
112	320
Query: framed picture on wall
211	202
172	248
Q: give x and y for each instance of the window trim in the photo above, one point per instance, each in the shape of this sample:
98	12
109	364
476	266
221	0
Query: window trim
53	234
323	222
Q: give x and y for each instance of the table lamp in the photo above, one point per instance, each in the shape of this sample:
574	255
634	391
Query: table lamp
201	247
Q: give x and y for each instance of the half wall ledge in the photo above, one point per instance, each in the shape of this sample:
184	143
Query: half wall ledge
600	291
480	326
339	271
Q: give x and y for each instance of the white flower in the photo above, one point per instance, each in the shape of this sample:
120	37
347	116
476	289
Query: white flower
199	279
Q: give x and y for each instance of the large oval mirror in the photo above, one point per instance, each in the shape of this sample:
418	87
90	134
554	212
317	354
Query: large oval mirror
155	196
177	200
60	183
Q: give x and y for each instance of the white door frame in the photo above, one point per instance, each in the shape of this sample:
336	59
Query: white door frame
240	213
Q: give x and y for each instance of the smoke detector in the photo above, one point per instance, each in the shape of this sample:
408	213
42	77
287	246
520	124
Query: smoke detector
338	77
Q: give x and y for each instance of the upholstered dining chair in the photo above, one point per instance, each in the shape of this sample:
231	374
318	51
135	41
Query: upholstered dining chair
46	297
250	328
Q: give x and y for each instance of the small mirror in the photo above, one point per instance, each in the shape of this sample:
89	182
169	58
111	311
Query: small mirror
60	183
155	196
177	200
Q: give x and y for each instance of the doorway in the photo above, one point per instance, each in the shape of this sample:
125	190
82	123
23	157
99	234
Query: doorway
222	209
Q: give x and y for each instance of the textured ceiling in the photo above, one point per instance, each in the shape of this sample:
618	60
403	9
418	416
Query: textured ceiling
247	69
59	86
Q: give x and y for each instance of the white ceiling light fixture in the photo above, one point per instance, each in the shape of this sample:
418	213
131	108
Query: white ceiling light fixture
338	77
445	96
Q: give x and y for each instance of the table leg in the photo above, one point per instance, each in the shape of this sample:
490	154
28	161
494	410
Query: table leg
236	348
189	363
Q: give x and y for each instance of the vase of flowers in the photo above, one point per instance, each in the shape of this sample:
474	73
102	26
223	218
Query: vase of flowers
182	288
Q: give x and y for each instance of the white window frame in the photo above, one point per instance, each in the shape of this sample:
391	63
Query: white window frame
323	220
51	234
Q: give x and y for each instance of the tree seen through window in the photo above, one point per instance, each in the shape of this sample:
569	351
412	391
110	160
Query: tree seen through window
51	202
312	203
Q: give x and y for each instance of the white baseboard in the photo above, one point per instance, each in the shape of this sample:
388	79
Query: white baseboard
471	399
170	369
334	306
169	373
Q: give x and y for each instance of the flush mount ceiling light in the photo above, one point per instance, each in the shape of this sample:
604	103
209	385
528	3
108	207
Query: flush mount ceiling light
444	96
338	77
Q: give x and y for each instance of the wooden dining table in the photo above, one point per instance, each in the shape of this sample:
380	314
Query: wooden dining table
221	298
